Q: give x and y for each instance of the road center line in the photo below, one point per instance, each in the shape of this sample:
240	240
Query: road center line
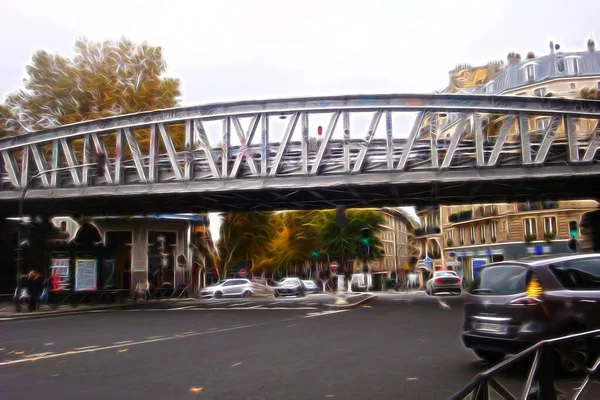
124	342
85	348
118	346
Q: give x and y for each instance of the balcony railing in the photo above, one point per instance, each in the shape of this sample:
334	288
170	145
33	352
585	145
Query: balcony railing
540	382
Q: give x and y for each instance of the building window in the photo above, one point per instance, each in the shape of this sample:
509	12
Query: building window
550	225
494	231
483	238
529	228
529	71
541	92
572	66
541	124
461	236
472	234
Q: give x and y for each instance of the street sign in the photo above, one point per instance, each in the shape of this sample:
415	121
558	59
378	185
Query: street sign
427	261
243	273
334	266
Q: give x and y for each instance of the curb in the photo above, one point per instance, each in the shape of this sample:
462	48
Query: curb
367	300
75	311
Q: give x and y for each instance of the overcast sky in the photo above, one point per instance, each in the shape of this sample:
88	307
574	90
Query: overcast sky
251	49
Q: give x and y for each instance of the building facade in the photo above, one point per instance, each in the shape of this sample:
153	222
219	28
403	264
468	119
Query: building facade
481	233
465	237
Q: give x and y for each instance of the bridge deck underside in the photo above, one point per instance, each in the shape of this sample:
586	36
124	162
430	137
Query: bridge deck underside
379	191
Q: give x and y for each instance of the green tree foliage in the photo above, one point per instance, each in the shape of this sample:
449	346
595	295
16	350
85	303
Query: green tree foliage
286	241
335	239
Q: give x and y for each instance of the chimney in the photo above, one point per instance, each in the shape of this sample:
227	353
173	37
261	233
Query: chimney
513	58
530	55
591	45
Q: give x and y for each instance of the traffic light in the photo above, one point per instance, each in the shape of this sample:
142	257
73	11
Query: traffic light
314	254
365	242
573	232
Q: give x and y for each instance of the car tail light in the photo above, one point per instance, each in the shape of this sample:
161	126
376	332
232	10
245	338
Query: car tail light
457	280
532	293
437	281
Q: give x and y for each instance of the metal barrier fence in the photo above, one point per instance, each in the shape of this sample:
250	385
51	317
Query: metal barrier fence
541	377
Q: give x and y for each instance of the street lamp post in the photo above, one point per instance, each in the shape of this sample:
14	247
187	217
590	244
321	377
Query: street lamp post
100	163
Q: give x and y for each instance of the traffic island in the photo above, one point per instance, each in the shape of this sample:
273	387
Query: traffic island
352	302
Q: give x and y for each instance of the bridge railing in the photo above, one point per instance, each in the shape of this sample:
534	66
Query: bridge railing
540	383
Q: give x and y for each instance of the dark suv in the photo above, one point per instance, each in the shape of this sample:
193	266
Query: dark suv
512	305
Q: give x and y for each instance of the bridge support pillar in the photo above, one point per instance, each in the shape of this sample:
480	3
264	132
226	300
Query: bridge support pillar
139	255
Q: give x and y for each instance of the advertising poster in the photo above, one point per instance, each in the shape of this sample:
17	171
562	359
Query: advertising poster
85	275
60	268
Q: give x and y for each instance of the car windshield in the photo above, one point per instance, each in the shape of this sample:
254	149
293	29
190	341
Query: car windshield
309	283
289	281
500	280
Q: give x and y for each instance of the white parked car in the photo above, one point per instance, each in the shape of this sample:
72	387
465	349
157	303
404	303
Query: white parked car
444	282
229	288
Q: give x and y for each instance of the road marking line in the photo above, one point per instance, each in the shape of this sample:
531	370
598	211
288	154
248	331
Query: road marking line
443	304
154	337
318	314
180	308
85	348
40	355
250	308
188	333
259	306
124	342
289	326
240	304
275	303
120	346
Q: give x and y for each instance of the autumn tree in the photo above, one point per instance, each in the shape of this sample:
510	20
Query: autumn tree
294	239
103	79
243	238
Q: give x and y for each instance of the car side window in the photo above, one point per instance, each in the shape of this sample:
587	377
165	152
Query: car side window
229	283
583	274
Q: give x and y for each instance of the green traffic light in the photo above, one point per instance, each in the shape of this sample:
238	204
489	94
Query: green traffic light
365	240
314	253
574	232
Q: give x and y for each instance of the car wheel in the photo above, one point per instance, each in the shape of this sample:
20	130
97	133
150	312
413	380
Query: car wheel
247	293
580	350
218	295
489	356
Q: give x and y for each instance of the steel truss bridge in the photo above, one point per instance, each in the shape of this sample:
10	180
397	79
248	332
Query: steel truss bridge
374	150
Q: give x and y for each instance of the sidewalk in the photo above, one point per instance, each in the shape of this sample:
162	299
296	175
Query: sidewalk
7	309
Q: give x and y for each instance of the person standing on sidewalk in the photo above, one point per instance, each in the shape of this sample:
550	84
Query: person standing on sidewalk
35	286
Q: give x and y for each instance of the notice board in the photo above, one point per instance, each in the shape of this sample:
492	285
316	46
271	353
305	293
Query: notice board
85	274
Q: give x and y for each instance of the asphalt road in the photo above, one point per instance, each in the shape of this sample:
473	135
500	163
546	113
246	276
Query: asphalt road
400	347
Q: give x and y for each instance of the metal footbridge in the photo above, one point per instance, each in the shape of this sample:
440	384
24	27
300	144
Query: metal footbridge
375	150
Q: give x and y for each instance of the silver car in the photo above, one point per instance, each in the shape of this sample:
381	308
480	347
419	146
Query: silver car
444	282
229	288
290	287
